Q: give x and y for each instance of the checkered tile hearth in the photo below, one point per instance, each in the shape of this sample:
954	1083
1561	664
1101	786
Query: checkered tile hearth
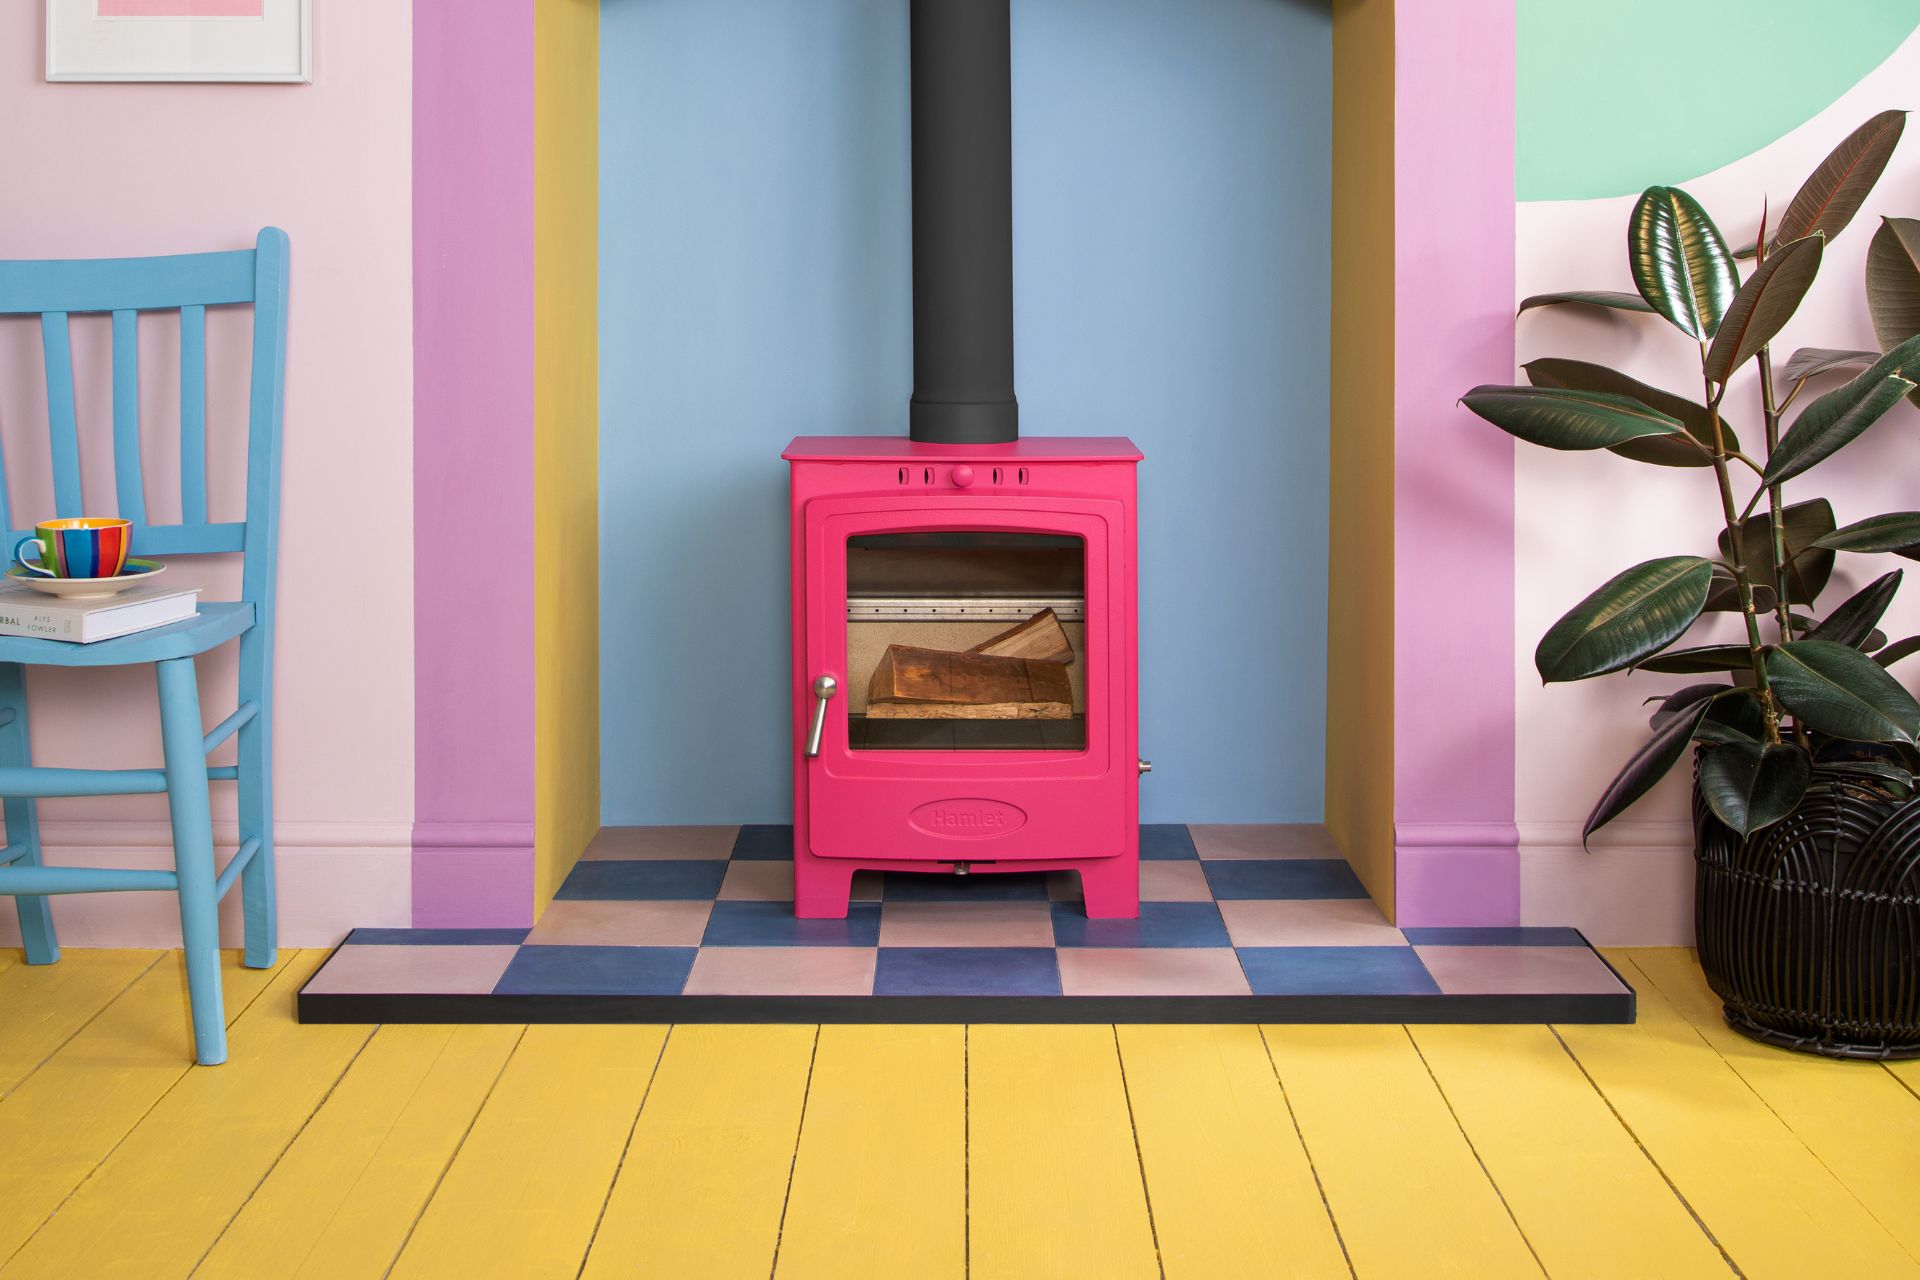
695	923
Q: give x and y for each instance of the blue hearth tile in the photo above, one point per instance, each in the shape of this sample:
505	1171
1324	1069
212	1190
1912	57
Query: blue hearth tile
1336	971
1160	841
599	971
1161	924
637	881
761	842
436	937
982	886
1282	878
773	924
967	971
1495	937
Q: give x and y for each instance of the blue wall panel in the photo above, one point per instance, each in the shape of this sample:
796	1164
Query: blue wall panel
1171	170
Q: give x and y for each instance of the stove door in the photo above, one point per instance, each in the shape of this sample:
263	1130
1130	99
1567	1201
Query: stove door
927	750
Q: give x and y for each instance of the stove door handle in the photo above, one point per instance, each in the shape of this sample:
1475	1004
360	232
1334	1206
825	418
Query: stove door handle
824	687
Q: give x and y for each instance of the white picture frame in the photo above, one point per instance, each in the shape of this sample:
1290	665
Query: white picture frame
165	40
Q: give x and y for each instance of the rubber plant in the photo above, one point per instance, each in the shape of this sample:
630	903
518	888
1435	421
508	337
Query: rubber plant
1806	695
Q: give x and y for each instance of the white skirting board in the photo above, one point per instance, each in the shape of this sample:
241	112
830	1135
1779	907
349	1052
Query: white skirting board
332	877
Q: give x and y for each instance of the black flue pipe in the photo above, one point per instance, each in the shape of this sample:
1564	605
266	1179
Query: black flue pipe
962	224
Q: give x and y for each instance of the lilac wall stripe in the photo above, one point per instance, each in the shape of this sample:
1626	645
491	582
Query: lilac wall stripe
473	461
1454	510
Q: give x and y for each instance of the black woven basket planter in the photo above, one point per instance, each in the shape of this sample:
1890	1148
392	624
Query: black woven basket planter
1809	930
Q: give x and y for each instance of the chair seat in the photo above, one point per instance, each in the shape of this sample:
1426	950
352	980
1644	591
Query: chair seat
216	624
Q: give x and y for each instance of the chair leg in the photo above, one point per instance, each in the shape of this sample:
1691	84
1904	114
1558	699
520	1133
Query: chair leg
23	826
186	767
256	819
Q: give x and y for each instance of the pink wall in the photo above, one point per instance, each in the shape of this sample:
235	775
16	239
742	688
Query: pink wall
473	476
94	170
1456	848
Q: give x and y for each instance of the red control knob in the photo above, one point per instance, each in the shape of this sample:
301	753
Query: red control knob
962	476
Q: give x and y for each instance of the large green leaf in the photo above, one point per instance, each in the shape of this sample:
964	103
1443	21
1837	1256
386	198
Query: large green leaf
1853	622
1843	692
1893	283
1896	531
1681	700
1646	766
1680	262
1810	361
1700	660
1763	306
1588	298
1567	419
1833	421
1834	192
1664	450
1733	718
1632	616
1749	785
1808	568
1890	654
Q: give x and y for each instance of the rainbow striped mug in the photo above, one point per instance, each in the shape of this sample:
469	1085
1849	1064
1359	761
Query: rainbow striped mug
77	547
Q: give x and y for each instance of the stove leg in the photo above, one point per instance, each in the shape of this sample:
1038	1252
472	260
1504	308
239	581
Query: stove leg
822	887
1111	888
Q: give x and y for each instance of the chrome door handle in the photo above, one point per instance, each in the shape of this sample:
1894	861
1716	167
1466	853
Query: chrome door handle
824	687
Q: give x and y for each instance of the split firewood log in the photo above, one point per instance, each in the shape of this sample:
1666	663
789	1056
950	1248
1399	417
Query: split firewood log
1040	638
911	683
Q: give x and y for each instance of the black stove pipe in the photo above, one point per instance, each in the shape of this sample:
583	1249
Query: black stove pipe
962	224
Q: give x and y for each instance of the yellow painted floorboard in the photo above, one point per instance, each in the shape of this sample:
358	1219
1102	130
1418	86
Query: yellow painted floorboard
879	1180
340	1202
1405	1189
1859	1121
41	1005
1054	1180
65	1118
523	1194
1589	1200
1232	1191
714	1145
1768	1200
154	1206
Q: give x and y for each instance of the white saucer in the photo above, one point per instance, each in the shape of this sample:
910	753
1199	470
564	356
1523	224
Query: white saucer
136	572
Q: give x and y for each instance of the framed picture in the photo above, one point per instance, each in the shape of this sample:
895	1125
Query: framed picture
258	40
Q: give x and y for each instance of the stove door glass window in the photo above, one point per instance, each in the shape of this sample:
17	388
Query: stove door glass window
966	641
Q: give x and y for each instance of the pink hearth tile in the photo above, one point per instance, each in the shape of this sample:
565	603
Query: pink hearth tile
1160	881
1513	971
966	924
654	844
429	970
782	971
1263	840
1151	971
570	923
1309	922
758	882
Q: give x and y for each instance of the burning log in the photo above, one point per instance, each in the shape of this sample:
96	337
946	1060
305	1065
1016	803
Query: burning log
1040	638
911	683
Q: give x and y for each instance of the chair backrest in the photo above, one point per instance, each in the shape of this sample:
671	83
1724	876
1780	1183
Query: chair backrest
189	284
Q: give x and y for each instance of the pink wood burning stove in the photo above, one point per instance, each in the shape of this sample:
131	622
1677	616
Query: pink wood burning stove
940	547
964	661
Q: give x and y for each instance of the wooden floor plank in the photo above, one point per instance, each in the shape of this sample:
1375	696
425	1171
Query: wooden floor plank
523	1194
1589	1200
340	1202
41	1005
1772	1205
879	1179
156	1204
65	1118
1404	1187
714	1145
1232	1190
1859	1121
1053	1176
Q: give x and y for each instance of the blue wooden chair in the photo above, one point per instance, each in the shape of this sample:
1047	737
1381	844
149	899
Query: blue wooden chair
188	284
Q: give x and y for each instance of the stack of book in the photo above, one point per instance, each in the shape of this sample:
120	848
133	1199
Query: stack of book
26	612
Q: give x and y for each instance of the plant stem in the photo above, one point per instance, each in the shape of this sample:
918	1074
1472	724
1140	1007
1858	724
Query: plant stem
1742	583
1782	605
